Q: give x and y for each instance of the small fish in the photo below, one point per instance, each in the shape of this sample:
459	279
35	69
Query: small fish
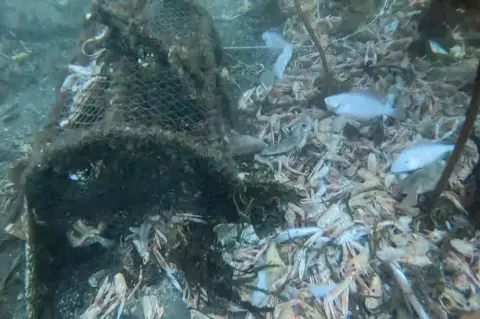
294	233
421	181
420	155
295	141
259	297
274	39
121	292
243	145
362	106
141	242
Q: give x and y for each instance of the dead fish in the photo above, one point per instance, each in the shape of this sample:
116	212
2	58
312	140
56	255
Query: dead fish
420	182
423	153
295	141
362	106
243	145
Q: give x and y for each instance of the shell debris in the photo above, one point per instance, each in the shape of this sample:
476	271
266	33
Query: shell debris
348	182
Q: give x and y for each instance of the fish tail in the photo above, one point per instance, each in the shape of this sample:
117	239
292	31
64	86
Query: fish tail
398	114
411	200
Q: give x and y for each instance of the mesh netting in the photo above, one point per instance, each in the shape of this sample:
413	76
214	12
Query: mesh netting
137	132
155	64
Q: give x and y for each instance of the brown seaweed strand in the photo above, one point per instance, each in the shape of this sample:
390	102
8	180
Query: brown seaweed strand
316	41
465	133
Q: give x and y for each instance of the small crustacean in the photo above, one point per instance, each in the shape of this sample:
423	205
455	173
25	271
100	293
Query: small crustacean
338	296
160	237
301	258
298	211
151	308
166	267
462	283
477	270
407	290
290	217
317	240
375	295
464	247
81	83
295	233
140	240
83	235
459	265
319	172
473	303
403	224
437	235
280	282
349	240
79	74
410	249
182	218
195	314
101	301
297	139
94	279
358	265
190	296
329	217
285	310
249	256
452	300
121	289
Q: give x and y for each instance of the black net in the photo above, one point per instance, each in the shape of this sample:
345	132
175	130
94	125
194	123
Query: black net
120	178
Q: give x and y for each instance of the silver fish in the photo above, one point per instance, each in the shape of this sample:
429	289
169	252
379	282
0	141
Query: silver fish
362	106
420	155
295	141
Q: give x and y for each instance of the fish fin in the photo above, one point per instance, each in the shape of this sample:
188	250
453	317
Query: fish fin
425	141
411	200
399	114
451	147
368	92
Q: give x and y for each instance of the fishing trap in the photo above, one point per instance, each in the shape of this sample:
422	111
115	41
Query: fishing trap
138	131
